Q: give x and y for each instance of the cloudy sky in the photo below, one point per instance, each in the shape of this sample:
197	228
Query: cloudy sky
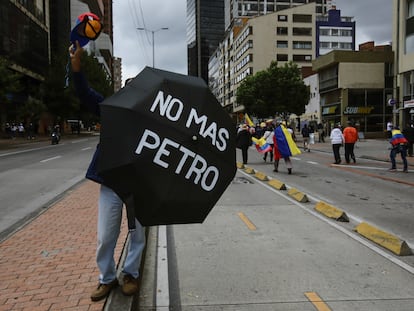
373	23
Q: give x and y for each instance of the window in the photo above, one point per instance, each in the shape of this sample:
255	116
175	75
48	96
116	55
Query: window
282	18
324	45
282	57
307	45
324	32
281	31
302	58
302	31
302	18
281	44
335	32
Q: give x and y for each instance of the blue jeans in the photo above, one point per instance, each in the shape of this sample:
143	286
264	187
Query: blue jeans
402	149
109	226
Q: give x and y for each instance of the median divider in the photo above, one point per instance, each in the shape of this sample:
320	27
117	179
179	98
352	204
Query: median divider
331	211
240	165
297	195
249	170
384	239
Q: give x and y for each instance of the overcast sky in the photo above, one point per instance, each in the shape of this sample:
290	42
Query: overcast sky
373	23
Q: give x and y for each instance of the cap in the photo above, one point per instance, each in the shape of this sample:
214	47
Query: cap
88	27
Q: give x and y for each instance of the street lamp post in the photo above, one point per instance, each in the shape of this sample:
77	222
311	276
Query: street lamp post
153	43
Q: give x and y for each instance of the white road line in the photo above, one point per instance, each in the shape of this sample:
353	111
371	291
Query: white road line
352	235
162	299
312	162
87	148
50	159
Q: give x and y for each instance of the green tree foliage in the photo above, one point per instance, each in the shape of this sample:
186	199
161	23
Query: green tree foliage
9	84
61	101
274	91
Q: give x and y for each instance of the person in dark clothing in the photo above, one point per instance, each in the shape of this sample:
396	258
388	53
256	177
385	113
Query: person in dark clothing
409	135
109	206
305	134
244	141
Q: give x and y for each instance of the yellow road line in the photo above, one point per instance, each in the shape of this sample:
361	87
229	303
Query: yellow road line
317	301
246	220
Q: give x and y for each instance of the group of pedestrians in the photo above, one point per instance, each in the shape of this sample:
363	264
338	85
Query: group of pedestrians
347	138
17	129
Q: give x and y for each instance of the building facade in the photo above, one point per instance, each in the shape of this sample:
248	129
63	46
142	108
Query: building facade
24	41
334	32
356	86
205	30
403	46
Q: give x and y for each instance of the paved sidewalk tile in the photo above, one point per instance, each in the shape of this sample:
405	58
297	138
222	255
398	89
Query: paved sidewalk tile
50	263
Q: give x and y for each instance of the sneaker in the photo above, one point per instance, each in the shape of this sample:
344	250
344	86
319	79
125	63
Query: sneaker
392	170
275	170
405	171
130	285
289	171
103	290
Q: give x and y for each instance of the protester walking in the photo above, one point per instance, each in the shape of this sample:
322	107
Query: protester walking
283	147
350	138
244	141
268	135
337	140
399	146
110	207
305	135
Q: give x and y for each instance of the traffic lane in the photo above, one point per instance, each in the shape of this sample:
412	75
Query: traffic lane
35	177
383	199
224	264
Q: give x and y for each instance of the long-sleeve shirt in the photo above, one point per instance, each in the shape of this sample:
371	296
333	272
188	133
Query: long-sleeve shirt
336	136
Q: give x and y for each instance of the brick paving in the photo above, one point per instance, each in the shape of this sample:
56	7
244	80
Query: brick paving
49	264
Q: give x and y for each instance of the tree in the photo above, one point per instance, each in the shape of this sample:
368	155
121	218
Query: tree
9	85
273	91
61	101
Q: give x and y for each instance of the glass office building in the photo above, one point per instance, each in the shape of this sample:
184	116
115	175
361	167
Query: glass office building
205	30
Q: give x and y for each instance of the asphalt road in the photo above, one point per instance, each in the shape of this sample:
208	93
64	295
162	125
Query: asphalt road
34	175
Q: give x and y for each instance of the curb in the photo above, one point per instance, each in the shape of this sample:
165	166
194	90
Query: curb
384	239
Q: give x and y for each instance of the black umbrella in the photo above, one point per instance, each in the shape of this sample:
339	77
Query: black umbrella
167	148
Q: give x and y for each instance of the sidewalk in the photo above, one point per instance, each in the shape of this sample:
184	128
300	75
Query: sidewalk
49	264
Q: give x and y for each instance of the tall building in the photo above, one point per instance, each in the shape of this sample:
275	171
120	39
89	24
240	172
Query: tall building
205	30
251	8
403	46
334	32
24	41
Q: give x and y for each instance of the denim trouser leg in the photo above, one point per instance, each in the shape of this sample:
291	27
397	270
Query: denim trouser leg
109	223
392	158
135	249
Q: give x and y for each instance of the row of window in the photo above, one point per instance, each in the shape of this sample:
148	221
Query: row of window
295	57
296	31
335	32
335	45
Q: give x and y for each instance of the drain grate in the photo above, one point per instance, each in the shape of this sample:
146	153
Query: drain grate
241	180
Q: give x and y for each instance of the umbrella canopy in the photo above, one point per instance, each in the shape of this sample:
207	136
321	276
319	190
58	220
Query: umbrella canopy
167	147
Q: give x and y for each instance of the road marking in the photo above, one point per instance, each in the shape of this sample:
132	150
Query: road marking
162	299
317	301
247	222
312	162
351	234
87	148
50	159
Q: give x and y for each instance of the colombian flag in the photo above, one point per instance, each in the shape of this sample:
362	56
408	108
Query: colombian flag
284	142
261	145
248	121
397	138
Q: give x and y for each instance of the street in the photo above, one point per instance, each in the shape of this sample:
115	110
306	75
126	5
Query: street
35	174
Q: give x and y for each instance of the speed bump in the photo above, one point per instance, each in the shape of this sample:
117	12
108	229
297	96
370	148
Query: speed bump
277	184
384	239
261	176
240	165
297	195
331	211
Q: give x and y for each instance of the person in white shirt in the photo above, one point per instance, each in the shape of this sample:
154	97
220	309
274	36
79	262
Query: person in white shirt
337	140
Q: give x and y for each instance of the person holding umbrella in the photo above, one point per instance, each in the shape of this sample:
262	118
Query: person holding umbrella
109	206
